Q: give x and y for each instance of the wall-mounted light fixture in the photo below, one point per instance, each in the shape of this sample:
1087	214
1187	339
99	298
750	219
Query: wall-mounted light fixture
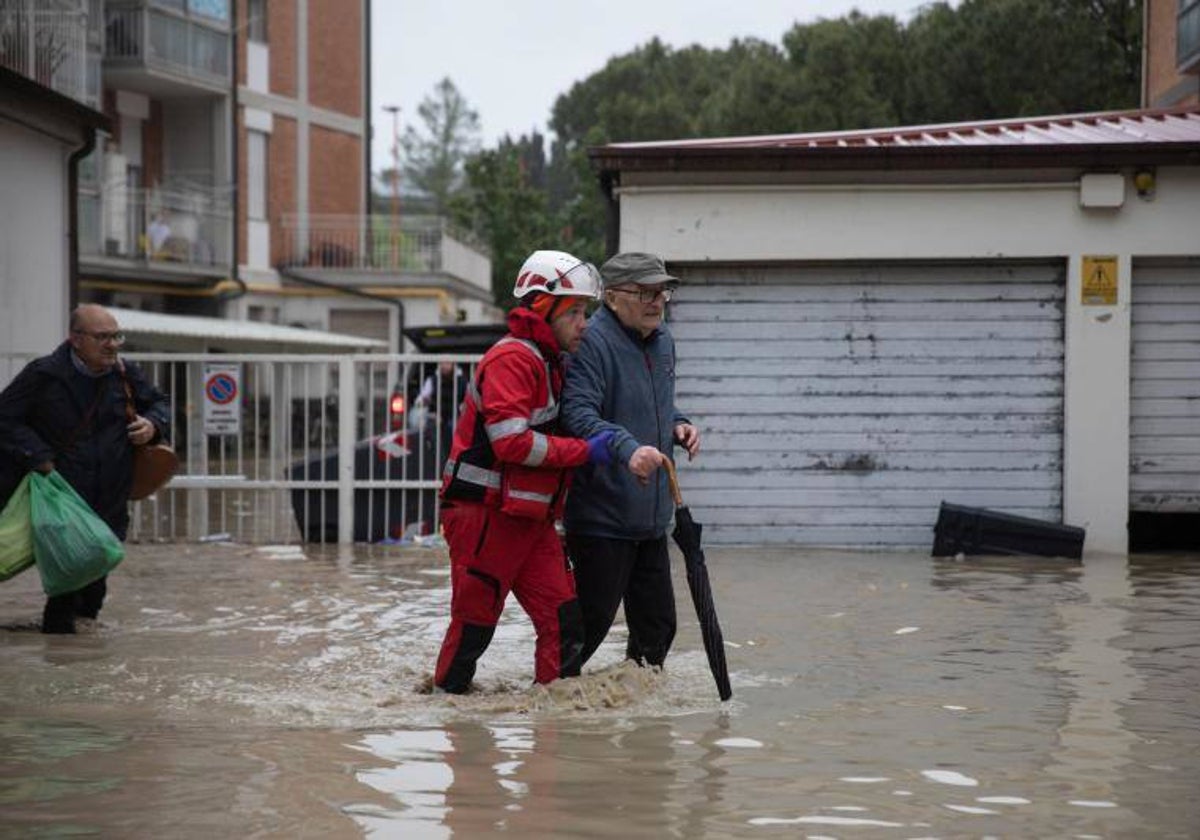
1144	181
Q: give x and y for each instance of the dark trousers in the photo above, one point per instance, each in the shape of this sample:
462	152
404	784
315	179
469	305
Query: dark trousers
61	610
638	572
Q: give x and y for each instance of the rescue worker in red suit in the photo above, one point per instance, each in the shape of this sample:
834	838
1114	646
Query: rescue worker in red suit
506	480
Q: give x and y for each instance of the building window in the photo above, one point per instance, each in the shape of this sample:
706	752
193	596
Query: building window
212	9
256	20
256	174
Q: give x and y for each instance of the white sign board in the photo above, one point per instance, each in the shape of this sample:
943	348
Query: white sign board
222	399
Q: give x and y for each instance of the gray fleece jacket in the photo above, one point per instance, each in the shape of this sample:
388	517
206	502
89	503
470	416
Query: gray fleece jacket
620	381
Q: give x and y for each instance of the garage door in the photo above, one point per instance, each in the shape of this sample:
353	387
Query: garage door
840	406
1164	427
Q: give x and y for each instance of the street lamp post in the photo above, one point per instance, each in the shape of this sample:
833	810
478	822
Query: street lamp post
394	110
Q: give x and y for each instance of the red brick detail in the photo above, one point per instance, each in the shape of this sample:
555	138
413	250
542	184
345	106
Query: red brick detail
335	172
335	55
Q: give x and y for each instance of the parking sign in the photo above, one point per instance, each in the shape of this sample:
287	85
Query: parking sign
222	400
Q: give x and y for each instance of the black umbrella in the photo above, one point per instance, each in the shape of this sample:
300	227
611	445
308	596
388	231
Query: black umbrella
687	537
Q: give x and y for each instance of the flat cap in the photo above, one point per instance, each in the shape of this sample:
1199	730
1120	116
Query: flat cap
636	267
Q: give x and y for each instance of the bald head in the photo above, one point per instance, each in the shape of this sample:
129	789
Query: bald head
86	313
95	336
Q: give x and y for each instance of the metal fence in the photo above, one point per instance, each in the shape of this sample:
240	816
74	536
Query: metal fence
186	225
48	46
422	244
137	33
287	448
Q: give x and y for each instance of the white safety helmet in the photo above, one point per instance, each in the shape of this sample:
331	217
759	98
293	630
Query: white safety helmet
557	273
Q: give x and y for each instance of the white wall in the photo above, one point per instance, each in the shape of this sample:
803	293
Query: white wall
34	273
758	223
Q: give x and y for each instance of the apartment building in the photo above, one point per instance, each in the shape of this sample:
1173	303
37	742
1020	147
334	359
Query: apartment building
229	176
310	252
1171	65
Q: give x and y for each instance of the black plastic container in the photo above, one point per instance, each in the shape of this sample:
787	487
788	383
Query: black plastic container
971	530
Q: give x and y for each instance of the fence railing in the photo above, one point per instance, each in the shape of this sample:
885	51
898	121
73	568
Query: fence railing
190	226
312	448
423	244
48	46
141	34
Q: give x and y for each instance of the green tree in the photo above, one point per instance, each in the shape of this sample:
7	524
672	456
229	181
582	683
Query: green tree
435	153
991	59
847	73
506	206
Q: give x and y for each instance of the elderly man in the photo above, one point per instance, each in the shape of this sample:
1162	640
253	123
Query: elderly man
622	380
67	412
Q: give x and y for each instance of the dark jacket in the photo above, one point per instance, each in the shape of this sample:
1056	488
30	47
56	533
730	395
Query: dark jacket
52	412
618	380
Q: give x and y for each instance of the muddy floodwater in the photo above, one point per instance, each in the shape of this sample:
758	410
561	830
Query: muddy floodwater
274	691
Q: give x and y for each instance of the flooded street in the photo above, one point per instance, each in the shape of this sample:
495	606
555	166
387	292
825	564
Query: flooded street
274	692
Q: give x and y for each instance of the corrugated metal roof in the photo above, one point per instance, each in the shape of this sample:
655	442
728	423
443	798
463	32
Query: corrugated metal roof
138	323
1156	126
1105	139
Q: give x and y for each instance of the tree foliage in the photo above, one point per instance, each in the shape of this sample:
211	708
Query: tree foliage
436	152
507	206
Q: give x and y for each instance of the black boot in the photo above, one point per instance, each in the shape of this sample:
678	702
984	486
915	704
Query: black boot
89	599
59	614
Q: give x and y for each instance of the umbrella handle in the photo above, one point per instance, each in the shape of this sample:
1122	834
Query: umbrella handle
674	482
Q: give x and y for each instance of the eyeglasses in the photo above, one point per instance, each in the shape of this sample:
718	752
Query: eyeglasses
104	337
648	295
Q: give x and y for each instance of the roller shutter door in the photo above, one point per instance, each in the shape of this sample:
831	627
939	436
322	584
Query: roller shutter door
839	406
1164	425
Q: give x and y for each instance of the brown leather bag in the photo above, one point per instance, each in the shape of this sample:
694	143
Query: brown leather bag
153	463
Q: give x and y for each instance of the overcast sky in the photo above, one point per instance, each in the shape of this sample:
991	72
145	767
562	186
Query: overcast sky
512	58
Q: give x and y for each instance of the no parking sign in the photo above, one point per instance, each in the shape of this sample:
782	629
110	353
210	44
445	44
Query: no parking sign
222	400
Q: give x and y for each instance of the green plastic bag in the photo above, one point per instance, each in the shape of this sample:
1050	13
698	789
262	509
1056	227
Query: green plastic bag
16	533
71	544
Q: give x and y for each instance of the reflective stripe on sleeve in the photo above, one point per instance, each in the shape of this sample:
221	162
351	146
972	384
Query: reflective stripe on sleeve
537	452
506	428
544	415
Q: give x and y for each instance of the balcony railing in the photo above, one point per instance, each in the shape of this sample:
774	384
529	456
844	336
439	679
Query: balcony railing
412	244
1187	38
189	227
168	42
48	46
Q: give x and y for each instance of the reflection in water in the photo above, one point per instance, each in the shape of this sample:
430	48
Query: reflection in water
1093	743
235	691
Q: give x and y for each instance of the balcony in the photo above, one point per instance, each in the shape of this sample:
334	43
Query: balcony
47	46
164	53
156	233
412	245
1187	37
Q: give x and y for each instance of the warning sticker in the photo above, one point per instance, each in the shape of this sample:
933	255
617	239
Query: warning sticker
1099	281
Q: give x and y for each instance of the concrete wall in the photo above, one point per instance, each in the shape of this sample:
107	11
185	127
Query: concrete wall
34	275
830	222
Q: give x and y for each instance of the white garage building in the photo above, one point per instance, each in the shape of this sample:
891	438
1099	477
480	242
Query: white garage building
998	314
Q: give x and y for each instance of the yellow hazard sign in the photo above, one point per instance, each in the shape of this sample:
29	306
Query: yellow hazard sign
1099	281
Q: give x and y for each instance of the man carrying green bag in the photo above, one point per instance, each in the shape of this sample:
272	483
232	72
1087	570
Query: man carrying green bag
67	413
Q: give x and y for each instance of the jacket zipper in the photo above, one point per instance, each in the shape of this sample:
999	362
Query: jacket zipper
657	425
